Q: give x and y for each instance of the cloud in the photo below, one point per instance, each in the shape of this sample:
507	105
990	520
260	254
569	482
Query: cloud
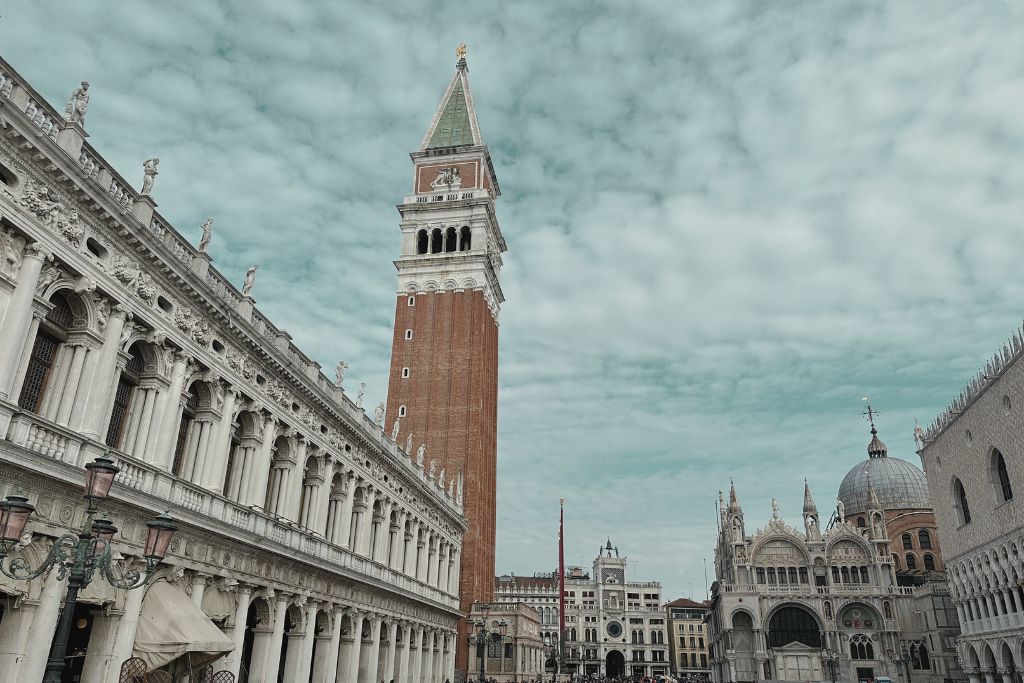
726	222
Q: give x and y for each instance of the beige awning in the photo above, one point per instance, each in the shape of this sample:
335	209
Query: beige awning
171	626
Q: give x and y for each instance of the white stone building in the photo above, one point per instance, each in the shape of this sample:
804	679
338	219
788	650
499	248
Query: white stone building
613	627
973	455
318	547
803	605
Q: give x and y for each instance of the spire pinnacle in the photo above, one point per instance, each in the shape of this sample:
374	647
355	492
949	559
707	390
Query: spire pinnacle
876	447
460	55
809	505
734	504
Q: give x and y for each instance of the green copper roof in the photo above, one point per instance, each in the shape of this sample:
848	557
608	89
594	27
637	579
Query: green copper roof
453	127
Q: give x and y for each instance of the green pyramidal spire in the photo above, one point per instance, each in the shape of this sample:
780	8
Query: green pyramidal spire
454	124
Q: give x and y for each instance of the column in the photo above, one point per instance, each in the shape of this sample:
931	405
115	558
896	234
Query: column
308	641
444	568
124	641
233	660
215	458
417	658
138	448
453	642
428	657
366	527
98	375
44	625
433	547
257	473
346	513
352	675
18	318
167	437
456	569
403	657
276	640
333	517
325	669
389	658
295	482
74	376
373	658
972	675
1006	675
409	554
397	542
421	555
300	648
989	676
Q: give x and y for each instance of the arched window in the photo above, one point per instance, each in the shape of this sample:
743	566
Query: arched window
1000	477
465	238
908	542
887	609
911	561
919	657
929	562
422	242
126	384
436	241
782	576
760	574
845	573
860	647
771	576
960	501
52	333
793	624
896	560
792	575
450	240
864	575
924	539
861	523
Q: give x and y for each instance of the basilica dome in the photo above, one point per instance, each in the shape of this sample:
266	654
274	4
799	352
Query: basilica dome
897	484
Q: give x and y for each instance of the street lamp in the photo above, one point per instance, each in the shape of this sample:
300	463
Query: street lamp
483	636
901	656
79	556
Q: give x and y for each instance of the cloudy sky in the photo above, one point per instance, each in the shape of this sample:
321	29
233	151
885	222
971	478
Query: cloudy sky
727	222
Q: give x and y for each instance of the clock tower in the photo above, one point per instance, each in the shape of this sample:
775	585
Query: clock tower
443	386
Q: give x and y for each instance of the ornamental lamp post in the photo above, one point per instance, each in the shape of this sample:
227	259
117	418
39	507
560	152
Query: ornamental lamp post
830	660
79	556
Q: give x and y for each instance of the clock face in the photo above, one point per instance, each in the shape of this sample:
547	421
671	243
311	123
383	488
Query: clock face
614	629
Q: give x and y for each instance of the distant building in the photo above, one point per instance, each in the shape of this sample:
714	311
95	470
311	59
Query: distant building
614	627
974	460
687	639
512	650
800	605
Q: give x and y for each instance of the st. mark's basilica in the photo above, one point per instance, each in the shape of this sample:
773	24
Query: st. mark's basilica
190	497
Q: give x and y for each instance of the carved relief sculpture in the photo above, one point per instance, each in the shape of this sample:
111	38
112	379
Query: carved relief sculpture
447	178
11	248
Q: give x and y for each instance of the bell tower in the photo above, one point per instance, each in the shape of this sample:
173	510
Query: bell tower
443	385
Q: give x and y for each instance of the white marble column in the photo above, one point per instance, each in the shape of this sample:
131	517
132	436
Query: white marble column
423	555
354	652
417	657
409	548
389	658
170	415
17	318
373	658
345	530
215	460
44	625
98	376
233	660
124	641
428	658
325	669
276	638
403	656
433	559
257	474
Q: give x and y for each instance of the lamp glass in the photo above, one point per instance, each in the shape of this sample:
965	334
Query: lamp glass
14	514
99	477
103	530
161	531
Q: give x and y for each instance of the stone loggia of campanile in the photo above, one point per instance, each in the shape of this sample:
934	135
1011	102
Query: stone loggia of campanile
444	364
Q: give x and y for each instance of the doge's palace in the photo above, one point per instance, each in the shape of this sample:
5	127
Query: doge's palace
312	542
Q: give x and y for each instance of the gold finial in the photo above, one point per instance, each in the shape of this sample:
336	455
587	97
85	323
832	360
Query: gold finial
460	51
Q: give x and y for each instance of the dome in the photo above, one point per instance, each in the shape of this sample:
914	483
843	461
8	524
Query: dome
898	484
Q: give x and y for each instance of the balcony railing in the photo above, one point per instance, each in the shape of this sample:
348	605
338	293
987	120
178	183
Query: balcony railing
59	443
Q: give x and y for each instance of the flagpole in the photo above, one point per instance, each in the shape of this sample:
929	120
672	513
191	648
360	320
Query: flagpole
561	585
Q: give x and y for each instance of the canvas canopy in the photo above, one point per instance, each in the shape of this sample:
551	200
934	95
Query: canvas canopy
171	626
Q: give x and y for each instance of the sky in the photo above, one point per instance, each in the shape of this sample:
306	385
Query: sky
727	222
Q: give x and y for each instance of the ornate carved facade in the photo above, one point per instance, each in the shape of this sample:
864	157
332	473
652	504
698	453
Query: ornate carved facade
316	544
814	605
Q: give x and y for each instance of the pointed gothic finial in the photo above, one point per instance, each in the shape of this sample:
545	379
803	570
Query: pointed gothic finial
734	503
809	506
